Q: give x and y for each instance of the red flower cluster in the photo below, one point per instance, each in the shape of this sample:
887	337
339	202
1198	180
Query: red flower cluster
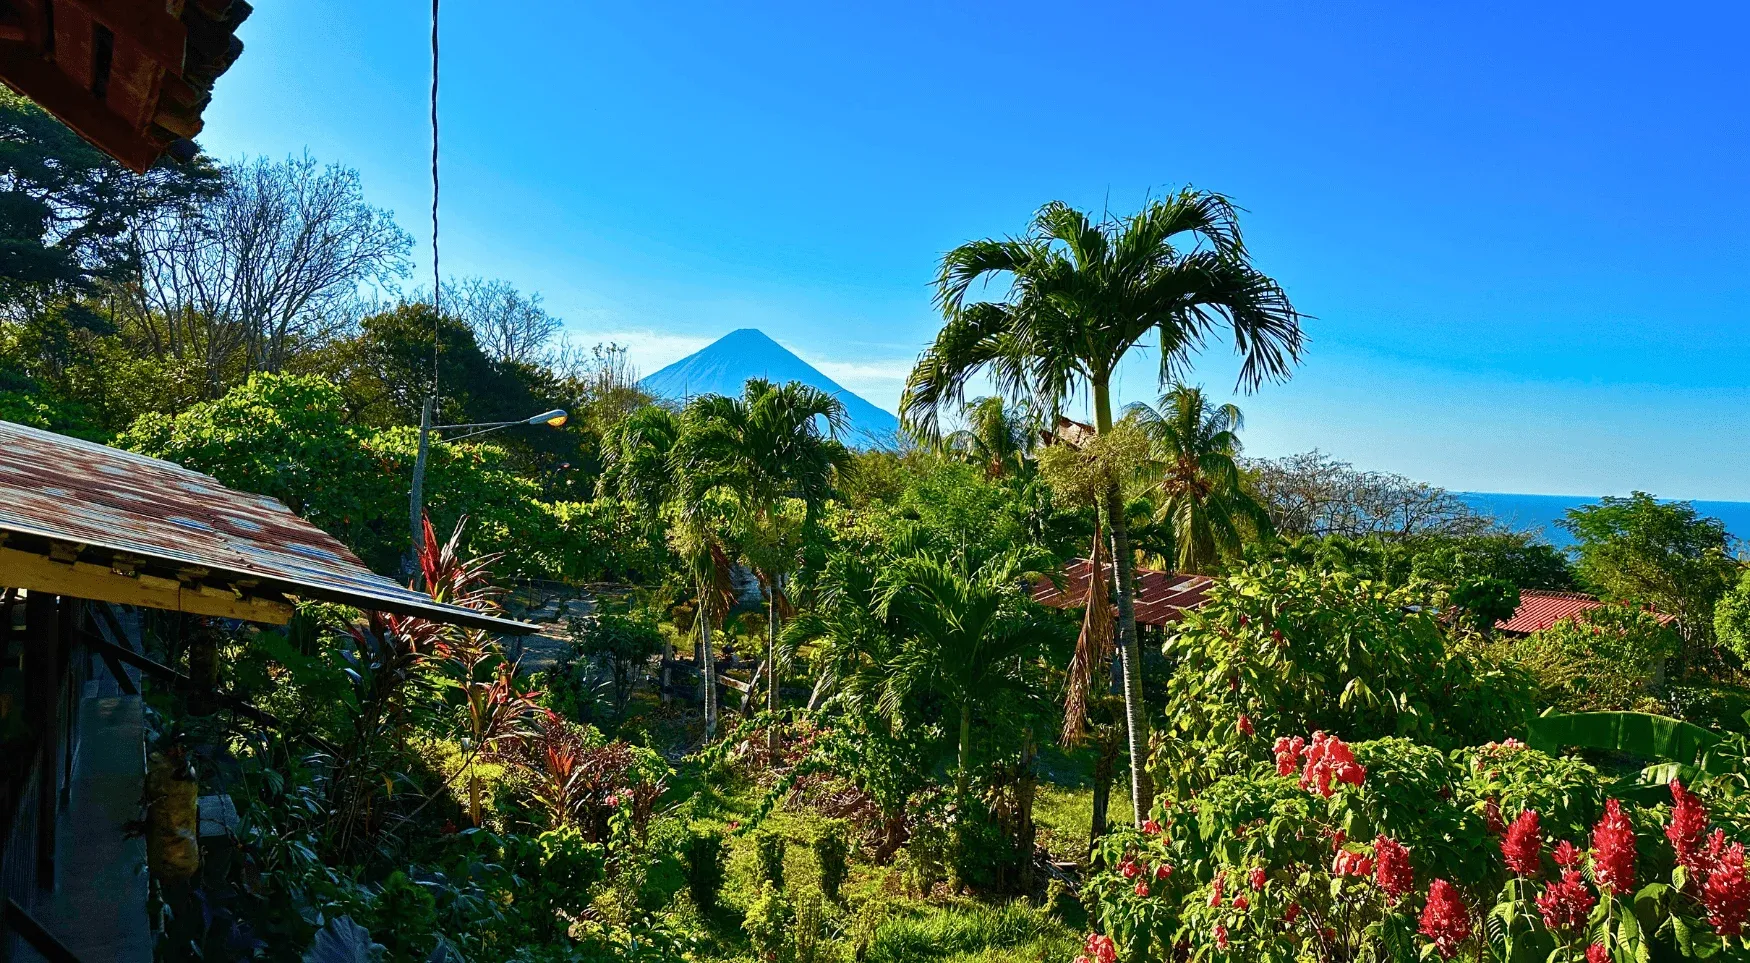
1163	871
1352	864
1567	855
1688	828
1596	953
1150	826
1098	949
1241	903
1221	937
1726	894
1291	914
1288	752
1613	851
1128	869
1445	920
1566	903
1244	726
1142	888
1523	845
1259	876
1323	761
1392	867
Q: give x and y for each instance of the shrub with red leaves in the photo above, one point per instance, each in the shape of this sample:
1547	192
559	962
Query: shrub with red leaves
1328	761
1288	753
1445	920
1522	847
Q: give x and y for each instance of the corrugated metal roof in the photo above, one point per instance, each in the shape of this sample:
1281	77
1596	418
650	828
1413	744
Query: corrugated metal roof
72	491
1540	609
1161	598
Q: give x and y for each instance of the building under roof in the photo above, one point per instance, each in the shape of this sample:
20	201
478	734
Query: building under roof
131	76
1540	609
92	534
1161	598
86	520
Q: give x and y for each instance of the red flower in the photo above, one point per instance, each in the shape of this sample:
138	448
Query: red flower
1392	867
1596	953
1352	864
1258	877
1566	902
1288	752
1100	949
1215	888
1163	871
1240	902
1523	846
1688	826
1328	760
1291	914
1727	892
1221	937
1142	888
1244	726
1567	855
1613	851
1150	826
1129	869
1445	920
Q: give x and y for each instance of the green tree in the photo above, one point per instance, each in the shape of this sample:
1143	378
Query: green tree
965	633
1195	478
773	448
1081	295
997	437
1732	618
1664	554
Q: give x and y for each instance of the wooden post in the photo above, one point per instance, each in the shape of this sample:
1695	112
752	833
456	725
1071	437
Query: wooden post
42	669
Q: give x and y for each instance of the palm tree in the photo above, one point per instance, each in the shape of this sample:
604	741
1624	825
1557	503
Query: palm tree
700	533
1081	295
1194	474
773	448
965	634
996	437
636	452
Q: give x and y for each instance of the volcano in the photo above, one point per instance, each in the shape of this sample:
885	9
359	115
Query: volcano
723	366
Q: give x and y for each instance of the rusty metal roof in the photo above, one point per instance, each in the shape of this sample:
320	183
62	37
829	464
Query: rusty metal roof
103	499
1539	609
1161	598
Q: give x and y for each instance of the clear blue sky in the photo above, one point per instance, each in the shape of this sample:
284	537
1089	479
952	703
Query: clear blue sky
1524	234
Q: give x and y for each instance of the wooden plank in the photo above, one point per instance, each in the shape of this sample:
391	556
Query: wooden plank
73	43
134	80
98	582
161	36
24	70
42	663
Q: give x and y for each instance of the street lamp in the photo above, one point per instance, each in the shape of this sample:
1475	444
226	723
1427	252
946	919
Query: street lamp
415	513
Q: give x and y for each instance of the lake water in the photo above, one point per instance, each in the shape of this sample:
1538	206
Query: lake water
1541	512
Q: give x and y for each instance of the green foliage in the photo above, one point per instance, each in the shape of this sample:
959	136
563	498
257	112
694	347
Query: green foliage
768	922
1299	649
703	855
1647	552
1612	657
1481	602
832	854
624	642
1732	618
770	846
404	920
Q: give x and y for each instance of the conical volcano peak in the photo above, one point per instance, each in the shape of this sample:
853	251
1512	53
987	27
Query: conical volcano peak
724	366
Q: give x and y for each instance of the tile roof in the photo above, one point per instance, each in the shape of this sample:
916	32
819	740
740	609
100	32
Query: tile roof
106	503
1540	609
1161	598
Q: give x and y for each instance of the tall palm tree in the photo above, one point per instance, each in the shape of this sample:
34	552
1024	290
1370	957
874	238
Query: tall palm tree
1081	295
997	437
965	634
636	454
773	448
700	532
1195	477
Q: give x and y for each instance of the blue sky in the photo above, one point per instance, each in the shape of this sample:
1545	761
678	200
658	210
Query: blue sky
1524	234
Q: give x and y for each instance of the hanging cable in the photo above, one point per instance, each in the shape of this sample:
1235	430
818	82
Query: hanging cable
437	295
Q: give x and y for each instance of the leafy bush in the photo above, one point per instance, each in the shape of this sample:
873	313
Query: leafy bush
832	852
769	847
703	854
623	643
1610	658
768	922
404	920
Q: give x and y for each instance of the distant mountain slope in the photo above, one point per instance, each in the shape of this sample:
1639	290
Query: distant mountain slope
723	366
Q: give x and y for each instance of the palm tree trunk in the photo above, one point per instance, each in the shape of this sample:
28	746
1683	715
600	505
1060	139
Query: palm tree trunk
707	669
965	755
1135	714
